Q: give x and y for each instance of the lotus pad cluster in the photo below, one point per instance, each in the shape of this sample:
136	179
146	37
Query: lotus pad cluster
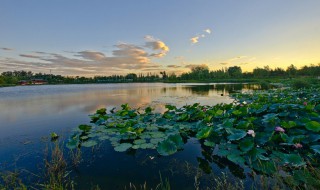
264	130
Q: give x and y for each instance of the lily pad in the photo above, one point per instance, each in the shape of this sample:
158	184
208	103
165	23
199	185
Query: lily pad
122	147
246	145
89	143
139	141
237	134
313	126
316	148
209	143
204	133
166	148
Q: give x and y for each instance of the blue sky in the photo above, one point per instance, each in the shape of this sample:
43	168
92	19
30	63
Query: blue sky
81	37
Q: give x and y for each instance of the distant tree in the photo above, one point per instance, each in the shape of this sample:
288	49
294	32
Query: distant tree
164	75
200	72
260	72
235	71
292	70
131	76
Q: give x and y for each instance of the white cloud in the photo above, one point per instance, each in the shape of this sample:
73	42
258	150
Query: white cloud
207	31
195	39
156	45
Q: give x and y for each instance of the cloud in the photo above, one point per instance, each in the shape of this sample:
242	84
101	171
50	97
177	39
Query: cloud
91	55
123	58
195	39
190	66
207	31
224	63
237	58
6	49
30	56
173	66
156	45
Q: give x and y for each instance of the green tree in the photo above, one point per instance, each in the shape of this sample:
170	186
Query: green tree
235	71
292	70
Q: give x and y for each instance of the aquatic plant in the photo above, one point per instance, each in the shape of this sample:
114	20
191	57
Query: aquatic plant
265	131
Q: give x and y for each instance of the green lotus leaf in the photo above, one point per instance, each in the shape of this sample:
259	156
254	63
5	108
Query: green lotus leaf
152	128
101	111
209	143
235	158
316	148
293	159
135	146
246	145
166	148
156	140
266	167
146	145
85	127
145	136
91	135
157	134
237	112
313	126
139	141
236	134
105	137
89	143
72	144
219	112
122	147
204	133
177	140
84	137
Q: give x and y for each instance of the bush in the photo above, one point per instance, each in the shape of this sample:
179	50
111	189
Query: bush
300	84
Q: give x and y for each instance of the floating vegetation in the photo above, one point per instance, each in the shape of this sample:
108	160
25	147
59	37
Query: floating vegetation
265	131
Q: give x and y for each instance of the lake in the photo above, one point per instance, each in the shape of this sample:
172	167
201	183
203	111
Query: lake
30	113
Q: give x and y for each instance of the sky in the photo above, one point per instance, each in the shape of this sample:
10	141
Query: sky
106	37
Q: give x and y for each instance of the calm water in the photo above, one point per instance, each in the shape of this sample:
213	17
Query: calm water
30	113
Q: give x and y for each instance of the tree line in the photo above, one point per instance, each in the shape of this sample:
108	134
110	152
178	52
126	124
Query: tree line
197	73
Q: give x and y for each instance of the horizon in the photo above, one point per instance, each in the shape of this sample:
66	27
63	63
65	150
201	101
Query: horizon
118	37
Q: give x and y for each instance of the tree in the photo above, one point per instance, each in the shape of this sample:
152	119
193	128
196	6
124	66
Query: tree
292	70
235	71
199	72
164	75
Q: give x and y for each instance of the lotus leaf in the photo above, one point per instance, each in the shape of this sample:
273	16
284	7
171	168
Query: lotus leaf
139	141
235	158
85	127
316	148
166	148
122	147
236	134
89	143
246	145
177	140
313	126
204	133
209	143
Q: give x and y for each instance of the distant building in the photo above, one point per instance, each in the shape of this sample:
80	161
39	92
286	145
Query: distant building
33	81
23	82
39	81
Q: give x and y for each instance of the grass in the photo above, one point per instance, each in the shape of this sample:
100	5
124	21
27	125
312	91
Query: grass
11	180
55	173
